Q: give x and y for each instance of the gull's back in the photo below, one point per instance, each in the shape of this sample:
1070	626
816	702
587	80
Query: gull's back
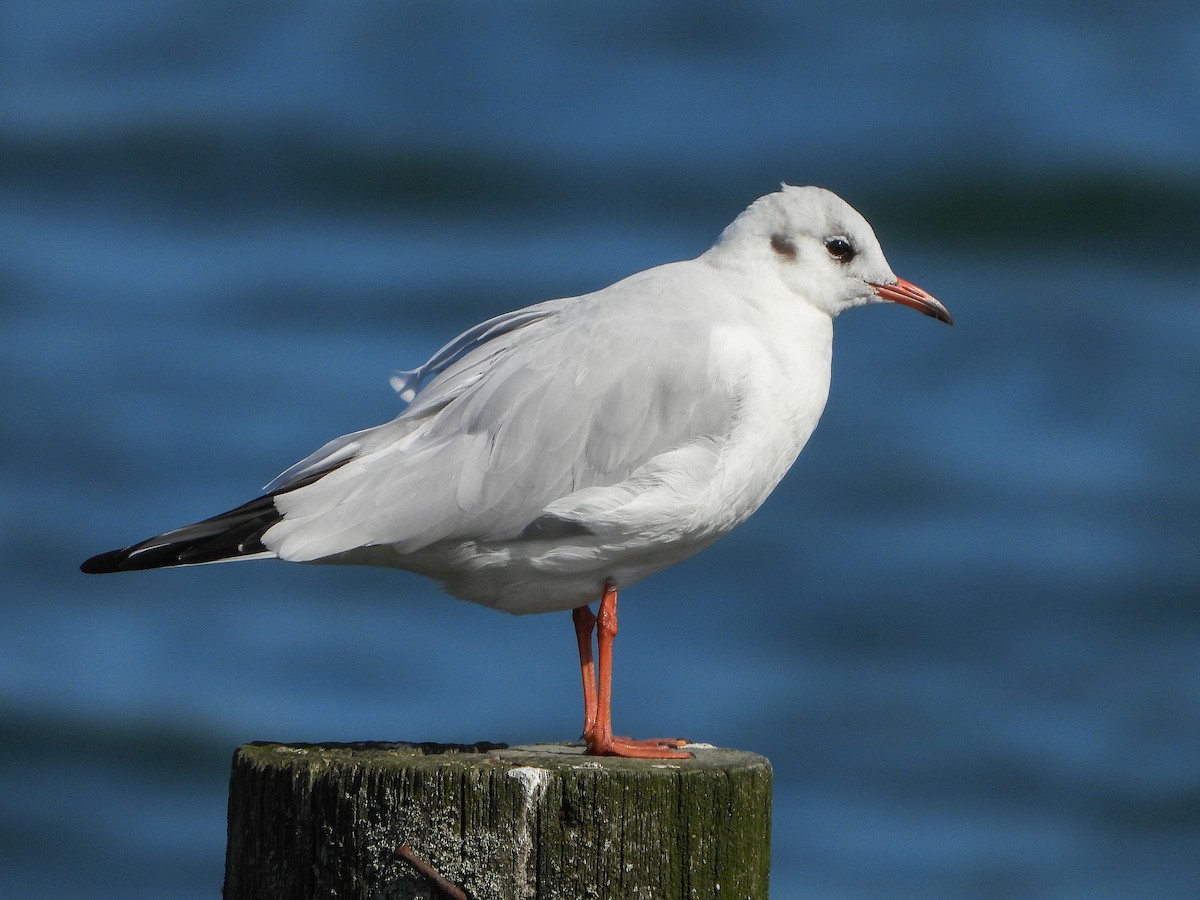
580	397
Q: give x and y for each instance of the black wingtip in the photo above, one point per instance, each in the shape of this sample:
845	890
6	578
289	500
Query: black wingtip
105	563
230	535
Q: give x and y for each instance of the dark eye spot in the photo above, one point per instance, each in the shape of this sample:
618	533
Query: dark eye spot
840	249
783	245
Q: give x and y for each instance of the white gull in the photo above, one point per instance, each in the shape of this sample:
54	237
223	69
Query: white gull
552	455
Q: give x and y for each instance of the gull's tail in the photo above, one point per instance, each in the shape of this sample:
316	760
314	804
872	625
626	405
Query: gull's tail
236	534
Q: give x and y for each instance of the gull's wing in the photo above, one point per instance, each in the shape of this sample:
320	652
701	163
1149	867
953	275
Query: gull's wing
468	350
523	413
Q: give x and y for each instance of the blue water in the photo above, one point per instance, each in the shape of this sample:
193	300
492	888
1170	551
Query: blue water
966	628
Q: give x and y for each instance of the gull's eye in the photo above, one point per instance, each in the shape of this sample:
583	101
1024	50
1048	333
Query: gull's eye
840	249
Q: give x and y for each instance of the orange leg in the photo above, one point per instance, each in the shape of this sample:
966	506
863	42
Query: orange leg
585	624
597	693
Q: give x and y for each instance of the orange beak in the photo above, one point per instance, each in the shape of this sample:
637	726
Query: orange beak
910	295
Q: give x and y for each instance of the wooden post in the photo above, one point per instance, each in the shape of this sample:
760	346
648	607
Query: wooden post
539	822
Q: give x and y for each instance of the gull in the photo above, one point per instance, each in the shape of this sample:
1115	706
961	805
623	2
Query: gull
551	456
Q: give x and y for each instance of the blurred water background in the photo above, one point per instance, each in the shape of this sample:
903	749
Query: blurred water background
966	629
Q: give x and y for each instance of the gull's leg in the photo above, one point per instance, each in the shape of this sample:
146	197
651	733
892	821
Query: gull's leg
585	624
602	742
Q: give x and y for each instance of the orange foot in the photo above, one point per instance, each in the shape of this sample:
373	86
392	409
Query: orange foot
653	748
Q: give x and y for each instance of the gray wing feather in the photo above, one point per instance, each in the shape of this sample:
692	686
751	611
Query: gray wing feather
408	381
471	350
518	415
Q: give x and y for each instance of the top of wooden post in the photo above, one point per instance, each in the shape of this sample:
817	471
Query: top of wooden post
545	756
532	822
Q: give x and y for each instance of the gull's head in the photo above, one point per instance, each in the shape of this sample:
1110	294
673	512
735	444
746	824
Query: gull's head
822	249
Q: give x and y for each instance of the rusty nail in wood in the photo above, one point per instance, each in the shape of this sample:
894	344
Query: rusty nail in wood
447	887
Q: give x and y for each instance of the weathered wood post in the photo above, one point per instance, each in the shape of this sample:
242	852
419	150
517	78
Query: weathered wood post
539	822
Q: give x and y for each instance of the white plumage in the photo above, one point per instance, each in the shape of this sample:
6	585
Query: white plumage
593	438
